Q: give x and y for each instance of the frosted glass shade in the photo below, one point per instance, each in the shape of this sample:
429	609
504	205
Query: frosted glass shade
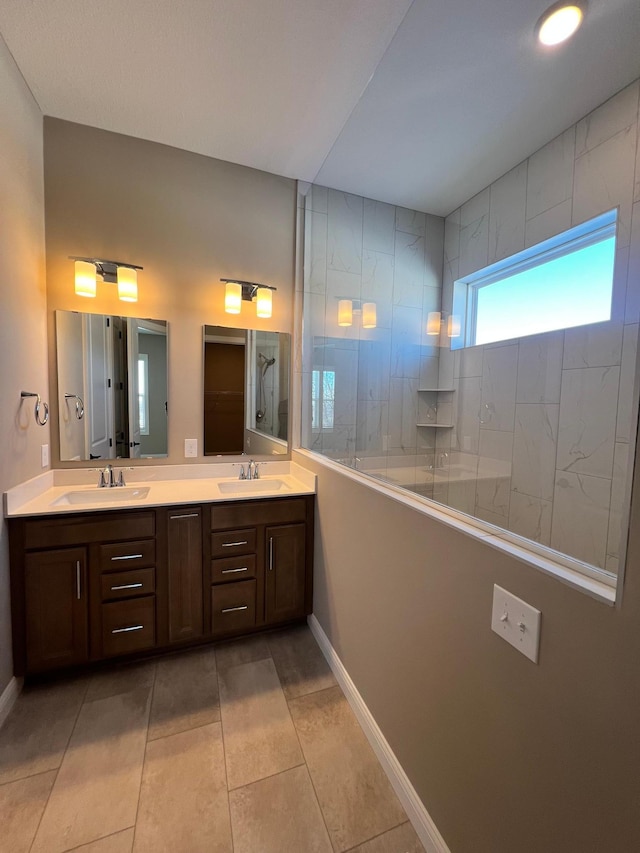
85	273
345	312
264	302
127	284
433	323
369	315
233	297
453	326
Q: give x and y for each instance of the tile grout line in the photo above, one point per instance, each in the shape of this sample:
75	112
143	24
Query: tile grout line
224	754
379	835
305	764
96	840
264	778
73	728
144	759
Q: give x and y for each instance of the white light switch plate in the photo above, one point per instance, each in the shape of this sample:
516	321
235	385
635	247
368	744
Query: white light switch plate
516	622
190	447
44	455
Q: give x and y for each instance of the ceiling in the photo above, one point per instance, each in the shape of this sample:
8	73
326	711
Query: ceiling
420	104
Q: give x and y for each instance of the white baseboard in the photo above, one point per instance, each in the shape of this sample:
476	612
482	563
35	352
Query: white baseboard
420	818
8	698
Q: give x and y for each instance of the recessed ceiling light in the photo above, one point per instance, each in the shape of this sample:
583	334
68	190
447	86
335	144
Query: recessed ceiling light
558	23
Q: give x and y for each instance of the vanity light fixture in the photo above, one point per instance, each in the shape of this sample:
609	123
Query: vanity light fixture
124	275
348	307
236	291
453	326
559	23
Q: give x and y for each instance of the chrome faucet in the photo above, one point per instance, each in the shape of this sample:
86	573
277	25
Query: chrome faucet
108	480
252	470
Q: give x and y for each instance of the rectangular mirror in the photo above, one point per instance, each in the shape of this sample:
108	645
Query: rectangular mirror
246	391
112	386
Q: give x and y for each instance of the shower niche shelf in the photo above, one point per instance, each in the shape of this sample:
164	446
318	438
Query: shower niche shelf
436	426
431	424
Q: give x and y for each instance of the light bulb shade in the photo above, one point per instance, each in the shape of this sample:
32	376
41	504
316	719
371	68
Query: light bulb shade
433	323
345	312
127	284
369	315
264	302
85	273
233	297
453	326
559	23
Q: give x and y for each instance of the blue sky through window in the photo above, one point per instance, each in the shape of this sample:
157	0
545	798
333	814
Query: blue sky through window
572	290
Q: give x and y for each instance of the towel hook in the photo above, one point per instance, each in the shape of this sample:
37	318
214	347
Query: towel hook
79	404
39	403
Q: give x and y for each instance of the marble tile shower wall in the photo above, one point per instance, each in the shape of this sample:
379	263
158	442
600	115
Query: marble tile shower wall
367	251
546	424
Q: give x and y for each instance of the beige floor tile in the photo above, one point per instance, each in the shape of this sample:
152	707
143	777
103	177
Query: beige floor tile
300	663
244	650
278	814
259	737
21	807
96	791
119	842
355	796
184	806
120	679
402	839
36	733
185	694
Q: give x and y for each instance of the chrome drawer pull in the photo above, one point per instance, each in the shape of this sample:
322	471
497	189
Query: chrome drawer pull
232	571
126	630
127	557
187	515
271	553
234	609
127	586
78	590
232	544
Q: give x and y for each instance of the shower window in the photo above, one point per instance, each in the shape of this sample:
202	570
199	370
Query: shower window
323	391
561	283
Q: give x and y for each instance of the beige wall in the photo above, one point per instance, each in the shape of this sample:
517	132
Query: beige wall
506	755
188	220
23	331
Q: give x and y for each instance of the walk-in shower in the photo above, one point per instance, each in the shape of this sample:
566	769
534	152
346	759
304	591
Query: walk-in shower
264	364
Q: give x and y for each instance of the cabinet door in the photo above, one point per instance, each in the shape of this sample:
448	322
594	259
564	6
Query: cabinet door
184	561
56	609
285	572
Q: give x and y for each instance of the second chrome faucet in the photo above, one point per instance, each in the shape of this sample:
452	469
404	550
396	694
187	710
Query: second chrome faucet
251	473
108	478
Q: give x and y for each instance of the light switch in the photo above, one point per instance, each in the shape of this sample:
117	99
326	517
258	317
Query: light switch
516	622
44	455
190	447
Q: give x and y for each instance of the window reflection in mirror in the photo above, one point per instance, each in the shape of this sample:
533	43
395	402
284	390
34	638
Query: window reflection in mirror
246	391
112	386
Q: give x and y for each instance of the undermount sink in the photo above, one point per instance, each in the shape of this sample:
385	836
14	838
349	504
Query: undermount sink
243	487
99	496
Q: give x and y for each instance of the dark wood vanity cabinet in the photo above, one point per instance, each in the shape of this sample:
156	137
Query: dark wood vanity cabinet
92	586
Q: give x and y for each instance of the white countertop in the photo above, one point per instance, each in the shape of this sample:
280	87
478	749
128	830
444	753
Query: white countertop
61	491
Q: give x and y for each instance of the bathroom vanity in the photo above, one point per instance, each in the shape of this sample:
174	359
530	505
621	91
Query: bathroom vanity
93	585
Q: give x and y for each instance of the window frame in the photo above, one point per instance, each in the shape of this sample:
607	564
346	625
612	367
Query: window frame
466	288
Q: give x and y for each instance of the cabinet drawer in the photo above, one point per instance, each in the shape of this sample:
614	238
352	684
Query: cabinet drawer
127	584
54	532
127	555
271	511
233	606
128	626
233	569
229	542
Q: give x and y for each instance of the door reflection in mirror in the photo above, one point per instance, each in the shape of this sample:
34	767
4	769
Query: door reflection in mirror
117	366
246	391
